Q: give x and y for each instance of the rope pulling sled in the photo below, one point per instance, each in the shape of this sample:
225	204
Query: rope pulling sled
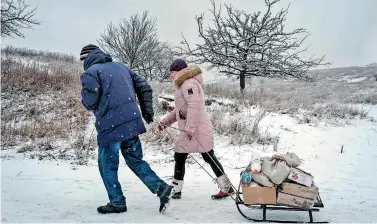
313	207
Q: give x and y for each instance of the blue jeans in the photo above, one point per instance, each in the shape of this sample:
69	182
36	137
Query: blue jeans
108	163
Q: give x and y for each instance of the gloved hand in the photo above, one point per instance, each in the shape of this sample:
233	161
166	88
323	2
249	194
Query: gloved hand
189	133
148	118
160	127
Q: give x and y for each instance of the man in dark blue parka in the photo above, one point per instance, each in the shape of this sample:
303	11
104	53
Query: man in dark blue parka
108	90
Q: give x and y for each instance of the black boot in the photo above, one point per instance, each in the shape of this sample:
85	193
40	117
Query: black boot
165	197
177	195
178	186
111	209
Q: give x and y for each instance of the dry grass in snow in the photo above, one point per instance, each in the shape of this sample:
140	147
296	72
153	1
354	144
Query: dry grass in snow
42	114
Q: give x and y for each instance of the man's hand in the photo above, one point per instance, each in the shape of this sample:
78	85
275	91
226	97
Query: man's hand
148	118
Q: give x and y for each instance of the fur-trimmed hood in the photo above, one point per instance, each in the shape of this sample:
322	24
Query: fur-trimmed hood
192	71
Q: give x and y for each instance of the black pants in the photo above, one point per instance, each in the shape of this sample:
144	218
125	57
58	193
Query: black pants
180	160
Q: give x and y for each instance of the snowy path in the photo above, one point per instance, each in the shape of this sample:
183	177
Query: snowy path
50	193
35	191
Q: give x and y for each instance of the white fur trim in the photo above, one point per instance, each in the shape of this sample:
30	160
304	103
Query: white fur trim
178	185
224	183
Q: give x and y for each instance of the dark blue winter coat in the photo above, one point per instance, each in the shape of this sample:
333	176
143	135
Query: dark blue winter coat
108	90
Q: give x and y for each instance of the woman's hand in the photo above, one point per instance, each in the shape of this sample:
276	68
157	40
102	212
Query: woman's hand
160	127
189	133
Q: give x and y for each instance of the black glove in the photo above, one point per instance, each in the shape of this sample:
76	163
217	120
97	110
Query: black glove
148	118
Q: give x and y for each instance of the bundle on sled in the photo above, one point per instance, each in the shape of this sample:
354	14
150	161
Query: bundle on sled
277	183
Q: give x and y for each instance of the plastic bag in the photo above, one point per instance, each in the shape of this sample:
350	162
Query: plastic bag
292	159
254	156
254	184
255	164
275	169
262	179
255	167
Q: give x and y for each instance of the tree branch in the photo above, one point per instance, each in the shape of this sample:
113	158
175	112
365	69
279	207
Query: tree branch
14	17
250	44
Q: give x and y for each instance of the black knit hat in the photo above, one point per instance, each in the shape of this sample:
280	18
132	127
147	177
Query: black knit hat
86	50
178	65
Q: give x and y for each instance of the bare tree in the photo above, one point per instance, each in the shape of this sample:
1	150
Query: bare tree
164	58
131	39
16	16
135	42
246	45
156	62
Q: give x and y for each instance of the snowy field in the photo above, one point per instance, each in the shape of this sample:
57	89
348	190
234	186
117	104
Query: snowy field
52	191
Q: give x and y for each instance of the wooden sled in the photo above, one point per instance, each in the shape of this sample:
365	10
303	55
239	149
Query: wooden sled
239	202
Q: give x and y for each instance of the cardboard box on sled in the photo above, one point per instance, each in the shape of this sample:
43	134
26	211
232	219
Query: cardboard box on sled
258	195
300	177
295	195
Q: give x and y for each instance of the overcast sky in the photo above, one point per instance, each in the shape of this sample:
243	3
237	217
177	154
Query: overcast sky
343	30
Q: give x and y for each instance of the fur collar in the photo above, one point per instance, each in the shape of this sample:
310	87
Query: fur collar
190	72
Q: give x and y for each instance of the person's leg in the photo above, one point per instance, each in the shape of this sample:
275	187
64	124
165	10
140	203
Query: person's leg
222	179
179	173
108	162
180	165
215	164
132	152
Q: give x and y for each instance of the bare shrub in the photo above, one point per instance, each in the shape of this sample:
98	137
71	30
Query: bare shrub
48	56
255	125
34	130
16	75
266	138
161	108
43	100
247	97
241	131
338	111
40	105
217	117
371	99
83	148
288	97
332	112
164	140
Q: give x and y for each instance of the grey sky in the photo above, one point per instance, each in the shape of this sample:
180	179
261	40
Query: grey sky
344	30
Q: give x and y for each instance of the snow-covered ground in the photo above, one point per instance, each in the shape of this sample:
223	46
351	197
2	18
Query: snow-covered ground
353	79
51	191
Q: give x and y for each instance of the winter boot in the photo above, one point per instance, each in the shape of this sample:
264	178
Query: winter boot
222	194
226	188
109	208
177	195
165	197
178	185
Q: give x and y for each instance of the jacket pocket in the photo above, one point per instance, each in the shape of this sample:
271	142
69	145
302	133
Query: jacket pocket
182	115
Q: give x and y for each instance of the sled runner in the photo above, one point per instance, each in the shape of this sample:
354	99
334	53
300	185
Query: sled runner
276	206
